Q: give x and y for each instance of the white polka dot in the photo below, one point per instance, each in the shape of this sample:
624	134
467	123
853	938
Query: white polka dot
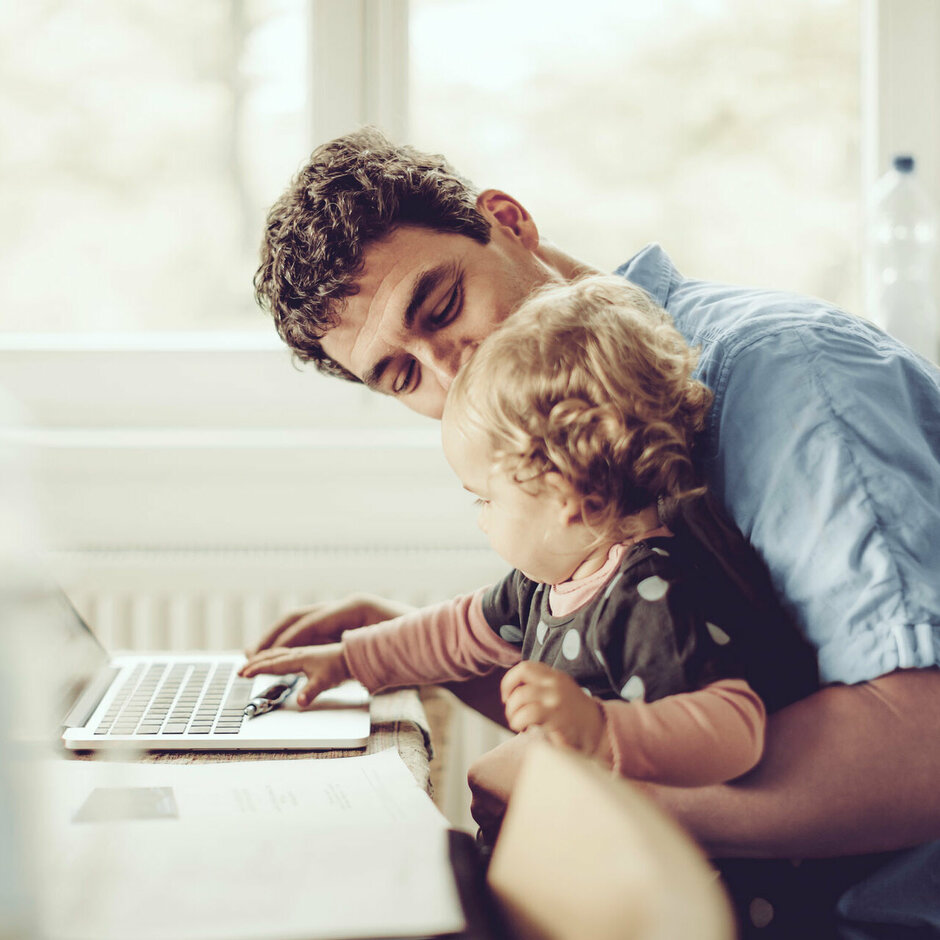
600	658
652	589
661	551
717	634
571	644
510	633
541	630
761	912
633	689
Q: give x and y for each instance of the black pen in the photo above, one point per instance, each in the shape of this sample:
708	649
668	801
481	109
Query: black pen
272	697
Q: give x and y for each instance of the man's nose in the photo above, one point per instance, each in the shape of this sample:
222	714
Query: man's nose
445	362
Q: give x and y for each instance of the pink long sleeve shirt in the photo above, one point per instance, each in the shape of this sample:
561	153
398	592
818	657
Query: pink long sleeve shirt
693	738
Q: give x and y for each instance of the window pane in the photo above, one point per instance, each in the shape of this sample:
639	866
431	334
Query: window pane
143	142
727	130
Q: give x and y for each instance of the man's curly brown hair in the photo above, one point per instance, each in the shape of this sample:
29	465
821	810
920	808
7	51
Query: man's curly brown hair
589	379
352	192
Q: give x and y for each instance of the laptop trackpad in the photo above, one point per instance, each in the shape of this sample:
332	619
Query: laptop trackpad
340	713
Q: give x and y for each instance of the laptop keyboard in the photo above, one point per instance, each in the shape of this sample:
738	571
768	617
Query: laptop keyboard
178	698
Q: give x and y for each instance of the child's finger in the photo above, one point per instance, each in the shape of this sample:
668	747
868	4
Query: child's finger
520	674
513	678
527	715
274	655
277	665
527	696
311	689
529	693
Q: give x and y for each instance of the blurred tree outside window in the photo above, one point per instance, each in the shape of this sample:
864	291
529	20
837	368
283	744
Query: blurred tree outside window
143	141
141	144
726	130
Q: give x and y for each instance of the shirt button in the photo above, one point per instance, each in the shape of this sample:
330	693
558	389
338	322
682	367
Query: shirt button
761	912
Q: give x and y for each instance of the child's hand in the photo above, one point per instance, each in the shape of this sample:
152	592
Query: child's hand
536	694
324	666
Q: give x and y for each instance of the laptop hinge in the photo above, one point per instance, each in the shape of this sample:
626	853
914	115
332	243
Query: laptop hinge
89	700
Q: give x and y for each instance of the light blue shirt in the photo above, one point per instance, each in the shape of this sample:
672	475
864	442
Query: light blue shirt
823	443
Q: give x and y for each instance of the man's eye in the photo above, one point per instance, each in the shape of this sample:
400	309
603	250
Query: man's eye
407	380
446	316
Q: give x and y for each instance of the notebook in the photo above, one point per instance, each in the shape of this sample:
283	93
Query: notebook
164	701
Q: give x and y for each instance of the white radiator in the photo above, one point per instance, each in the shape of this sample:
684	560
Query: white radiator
214	619
225	599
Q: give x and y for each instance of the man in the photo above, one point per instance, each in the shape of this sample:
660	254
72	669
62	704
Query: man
382	266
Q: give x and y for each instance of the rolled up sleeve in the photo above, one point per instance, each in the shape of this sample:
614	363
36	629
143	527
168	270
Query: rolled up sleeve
825	449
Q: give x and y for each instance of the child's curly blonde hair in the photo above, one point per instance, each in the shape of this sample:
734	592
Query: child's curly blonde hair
592	380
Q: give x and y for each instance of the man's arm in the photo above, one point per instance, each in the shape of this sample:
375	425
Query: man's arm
825	453
850	769
325	622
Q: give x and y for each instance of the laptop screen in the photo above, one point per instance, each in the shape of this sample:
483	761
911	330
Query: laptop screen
83	654
53	654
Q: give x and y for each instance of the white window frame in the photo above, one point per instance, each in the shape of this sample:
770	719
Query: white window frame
901	97
171	411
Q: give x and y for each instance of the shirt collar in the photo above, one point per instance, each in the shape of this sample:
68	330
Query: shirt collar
652	270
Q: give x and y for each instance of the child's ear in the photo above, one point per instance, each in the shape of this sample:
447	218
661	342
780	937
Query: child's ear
570	504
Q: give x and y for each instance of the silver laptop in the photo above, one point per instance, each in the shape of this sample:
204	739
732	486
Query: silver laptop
191	701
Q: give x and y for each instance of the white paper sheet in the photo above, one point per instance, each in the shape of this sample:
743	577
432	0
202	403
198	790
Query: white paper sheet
374	789
245	850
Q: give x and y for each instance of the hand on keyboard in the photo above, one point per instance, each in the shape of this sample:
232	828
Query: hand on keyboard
324	667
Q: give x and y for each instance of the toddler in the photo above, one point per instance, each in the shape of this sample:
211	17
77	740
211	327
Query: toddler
640	627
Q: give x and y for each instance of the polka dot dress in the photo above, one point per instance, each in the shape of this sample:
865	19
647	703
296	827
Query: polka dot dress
641	637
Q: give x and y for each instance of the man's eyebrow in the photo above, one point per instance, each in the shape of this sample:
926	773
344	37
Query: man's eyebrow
426	283
373	376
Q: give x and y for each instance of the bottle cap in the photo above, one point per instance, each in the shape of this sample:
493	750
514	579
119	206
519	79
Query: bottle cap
904	163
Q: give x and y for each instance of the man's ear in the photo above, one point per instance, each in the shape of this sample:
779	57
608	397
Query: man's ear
502	211
570	504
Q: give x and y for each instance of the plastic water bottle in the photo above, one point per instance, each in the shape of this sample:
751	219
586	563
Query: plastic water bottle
903	243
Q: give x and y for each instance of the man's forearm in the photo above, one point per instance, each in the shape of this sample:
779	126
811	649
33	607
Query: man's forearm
850	769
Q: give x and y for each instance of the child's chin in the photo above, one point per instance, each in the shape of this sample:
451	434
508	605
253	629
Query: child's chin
540	577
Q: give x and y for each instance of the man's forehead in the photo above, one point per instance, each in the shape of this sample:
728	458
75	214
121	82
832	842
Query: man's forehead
356	330
350	342
373	317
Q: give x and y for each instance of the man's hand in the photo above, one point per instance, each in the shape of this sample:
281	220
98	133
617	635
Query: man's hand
325	623
538	695
492	777
324	666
